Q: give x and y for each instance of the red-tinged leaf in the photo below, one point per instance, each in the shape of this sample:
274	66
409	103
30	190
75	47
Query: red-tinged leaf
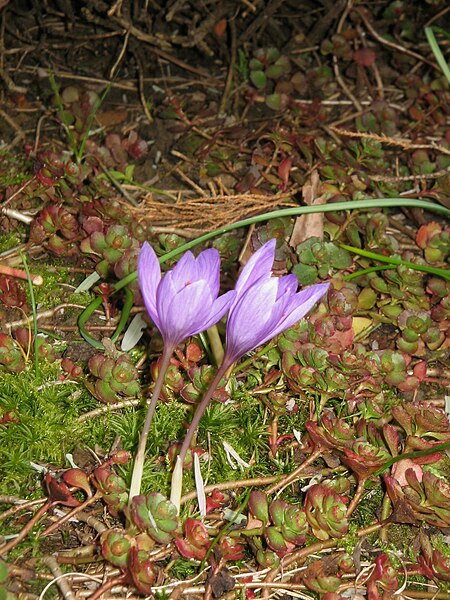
365	57
399	469
9	417
78	479
220	27
59	492
284	169
420	370
196	541
44	179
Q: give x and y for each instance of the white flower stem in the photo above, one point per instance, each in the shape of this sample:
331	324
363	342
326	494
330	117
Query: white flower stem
177	475
138	468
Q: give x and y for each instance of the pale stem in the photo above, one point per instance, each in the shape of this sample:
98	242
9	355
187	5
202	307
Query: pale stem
177	475
138	467
215	344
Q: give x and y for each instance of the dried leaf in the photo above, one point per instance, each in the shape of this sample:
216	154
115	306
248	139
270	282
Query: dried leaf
307	226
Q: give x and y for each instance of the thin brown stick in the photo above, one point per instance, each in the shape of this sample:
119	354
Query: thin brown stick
20	274
62	583
383	139
108	408
363	14
293	476
231	67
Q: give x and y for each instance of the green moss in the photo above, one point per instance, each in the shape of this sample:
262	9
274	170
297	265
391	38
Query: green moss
366	511
45	430
56	288
10	240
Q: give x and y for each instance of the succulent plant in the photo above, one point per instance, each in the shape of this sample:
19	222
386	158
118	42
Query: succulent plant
141	569
216	500
173	379
266	64
11	358
155	515
73	370
268	559
78	479
258	505
339	45
12	293
108	245
113	377
427	500
231	549
115	545
434	564
56	228
326	512
59	492
422	421
416	330
195	542
318	259
332	433
113	488
363	458
321	576
201	377
26	339
284	525
383	581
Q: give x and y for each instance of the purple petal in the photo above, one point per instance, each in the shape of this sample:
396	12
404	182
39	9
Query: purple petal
258	266
184	272
149	277
251	319
287	285
182	315
208	263
219	308
299	305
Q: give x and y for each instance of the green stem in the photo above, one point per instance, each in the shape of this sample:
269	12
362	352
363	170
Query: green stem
138	468
127	306
357	274
84	317
34	311
215	344
398	261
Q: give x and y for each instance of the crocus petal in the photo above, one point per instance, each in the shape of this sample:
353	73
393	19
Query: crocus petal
183	273
300	305
208	263
251	318
182	315
257	267
219	308
149	276
287	285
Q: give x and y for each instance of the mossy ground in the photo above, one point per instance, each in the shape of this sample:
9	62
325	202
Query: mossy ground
48	428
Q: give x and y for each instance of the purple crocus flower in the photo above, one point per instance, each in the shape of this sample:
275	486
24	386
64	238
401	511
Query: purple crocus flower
184	302
265	306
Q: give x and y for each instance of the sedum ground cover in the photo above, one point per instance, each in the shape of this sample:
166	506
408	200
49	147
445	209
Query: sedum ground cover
320	468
